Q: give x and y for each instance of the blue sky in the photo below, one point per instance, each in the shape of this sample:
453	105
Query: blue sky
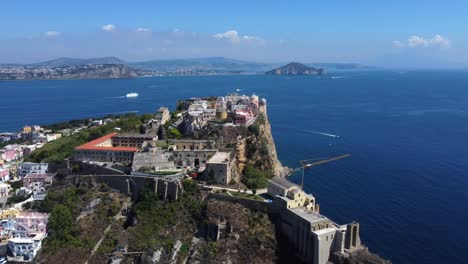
392	33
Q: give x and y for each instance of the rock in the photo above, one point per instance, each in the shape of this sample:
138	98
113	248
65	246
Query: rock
295	68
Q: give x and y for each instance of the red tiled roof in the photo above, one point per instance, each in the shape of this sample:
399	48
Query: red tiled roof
92	145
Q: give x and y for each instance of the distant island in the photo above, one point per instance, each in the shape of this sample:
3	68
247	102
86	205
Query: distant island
295	68
113	67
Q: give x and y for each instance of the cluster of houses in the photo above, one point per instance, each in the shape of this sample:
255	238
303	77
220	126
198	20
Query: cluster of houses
34	137
233	109
21	231
151	156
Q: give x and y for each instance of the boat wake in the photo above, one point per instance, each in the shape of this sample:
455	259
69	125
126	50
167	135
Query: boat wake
153	86
115	97
323	134
337	77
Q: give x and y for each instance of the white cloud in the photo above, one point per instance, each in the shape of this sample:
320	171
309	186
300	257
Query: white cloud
234	37
52	33
108	28
440	41
231	35
417	41
398	44
142	29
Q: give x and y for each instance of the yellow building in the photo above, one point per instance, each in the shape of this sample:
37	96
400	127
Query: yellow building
291	194
9	213
27	129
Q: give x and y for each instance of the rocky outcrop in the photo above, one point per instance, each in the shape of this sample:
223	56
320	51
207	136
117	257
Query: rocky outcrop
295	68
260	150
265	131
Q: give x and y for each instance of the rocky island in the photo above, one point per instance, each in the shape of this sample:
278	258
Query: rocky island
295	68
201	184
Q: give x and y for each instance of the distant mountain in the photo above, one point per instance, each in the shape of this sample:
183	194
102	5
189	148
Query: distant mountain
339	66
62	62
295	68
210	64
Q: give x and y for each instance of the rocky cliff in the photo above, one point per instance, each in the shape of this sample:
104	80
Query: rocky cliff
295	68
260	150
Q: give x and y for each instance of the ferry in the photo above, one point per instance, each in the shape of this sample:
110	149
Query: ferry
131	95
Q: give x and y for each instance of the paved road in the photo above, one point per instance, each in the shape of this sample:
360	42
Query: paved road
259	191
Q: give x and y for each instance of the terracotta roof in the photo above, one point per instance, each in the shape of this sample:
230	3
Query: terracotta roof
92	145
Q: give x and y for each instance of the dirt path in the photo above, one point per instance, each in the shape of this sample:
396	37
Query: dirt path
116	217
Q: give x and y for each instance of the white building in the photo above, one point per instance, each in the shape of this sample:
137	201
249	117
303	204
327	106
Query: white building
26	168
25	249
314	236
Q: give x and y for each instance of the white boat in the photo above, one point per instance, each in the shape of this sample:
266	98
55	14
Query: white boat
131	95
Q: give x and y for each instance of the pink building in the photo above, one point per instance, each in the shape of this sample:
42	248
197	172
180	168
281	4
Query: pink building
9	155
28	223
4	174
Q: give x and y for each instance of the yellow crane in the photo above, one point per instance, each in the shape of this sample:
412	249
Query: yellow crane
310	162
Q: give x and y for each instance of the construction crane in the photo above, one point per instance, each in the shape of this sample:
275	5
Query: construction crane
311	162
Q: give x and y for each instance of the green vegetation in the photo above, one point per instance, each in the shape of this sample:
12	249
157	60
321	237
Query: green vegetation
255	178
260	119
17	199
208	252
61	227
154	216
254	129
150	170
174	133
62	148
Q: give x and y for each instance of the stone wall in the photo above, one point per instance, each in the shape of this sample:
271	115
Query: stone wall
253	205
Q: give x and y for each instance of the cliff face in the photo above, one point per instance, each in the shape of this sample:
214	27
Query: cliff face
260	150
265	131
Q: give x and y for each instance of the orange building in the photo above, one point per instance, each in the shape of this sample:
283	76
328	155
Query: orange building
102	150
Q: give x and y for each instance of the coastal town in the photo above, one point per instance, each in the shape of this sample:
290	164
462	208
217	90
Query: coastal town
222	144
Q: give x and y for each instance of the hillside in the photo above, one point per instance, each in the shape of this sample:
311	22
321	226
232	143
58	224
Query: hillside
62	62
295	68
211	64
90	71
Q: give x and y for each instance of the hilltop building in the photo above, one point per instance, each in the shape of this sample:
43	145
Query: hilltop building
222	167
162	115
103	150
314	236
131	140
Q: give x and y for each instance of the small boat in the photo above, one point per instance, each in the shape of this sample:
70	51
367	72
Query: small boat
131	95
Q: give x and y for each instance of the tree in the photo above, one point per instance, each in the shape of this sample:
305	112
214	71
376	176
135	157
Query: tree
254	129
62	229
174	133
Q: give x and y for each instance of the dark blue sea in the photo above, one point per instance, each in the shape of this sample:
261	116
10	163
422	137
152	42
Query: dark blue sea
406	182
